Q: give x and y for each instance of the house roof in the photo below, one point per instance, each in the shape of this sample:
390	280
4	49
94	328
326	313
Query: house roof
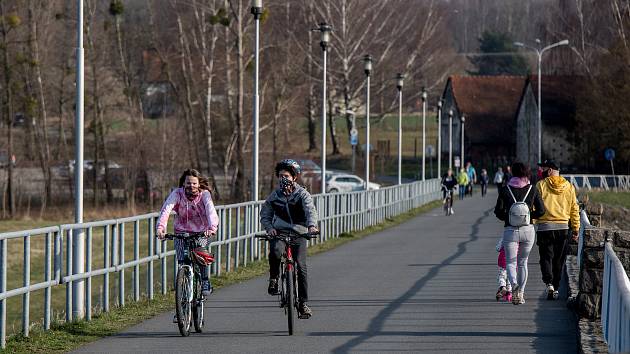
490	104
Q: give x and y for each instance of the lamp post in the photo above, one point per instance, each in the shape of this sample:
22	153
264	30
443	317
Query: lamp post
450	139
539	52
324	30
463	119
78	246
257	11
367	66
399	85
439	143
424	132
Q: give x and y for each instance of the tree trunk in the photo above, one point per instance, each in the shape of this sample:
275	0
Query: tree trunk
8	107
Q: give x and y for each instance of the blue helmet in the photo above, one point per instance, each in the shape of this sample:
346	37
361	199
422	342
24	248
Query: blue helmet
289	165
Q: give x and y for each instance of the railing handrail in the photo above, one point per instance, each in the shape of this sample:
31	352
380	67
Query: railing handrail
615	303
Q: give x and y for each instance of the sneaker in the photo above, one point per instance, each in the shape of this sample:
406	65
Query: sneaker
518	298
556	295
550	291
273	287
206	288
305	311
501	292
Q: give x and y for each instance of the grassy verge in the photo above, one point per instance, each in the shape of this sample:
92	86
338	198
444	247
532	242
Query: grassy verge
612	198
67	336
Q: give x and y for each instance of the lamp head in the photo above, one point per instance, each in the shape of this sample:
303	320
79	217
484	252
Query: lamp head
367	64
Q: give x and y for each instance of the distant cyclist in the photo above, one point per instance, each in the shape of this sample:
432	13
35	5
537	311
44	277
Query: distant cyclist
195	211
449	182
289	207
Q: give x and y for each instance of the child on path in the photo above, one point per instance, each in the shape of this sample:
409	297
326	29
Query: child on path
505	287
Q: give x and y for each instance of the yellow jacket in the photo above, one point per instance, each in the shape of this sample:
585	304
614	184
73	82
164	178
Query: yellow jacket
560	202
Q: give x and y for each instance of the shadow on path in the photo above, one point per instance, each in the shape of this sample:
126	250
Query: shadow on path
376	325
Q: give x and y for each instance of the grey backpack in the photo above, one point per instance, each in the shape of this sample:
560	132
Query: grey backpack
519	211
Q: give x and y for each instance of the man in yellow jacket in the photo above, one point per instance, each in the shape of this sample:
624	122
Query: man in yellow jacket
561	219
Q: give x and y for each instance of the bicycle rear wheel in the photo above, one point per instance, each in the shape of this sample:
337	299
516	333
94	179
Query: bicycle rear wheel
197	309
182	305
290	300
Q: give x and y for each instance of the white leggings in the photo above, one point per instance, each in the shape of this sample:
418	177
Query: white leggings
518	242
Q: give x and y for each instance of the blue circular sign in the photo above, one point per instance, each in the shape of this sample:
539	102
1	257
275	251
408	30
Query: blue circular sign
609	154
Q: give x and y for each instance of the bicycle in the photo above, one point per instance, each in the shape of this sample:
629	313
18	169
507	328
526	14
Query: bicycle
288	285
188	293
448	201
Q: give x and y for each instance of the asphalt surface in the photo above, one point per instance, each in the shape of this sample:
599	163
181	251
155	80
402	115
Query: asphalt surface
424	286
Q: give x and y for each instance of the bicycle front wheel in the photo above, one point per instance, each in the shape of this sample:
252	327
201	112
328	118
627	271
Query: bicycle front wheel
290	300
182	303
197	313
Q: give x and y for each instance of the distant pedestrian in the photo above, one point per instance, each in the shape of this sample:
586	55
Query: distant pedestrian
508	175
561	219
462	181
518	203
472	177
498	178
484	179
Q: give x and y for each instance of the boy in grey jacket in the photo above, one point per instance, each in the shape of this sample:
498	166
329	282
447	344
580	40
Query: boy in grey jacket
289	208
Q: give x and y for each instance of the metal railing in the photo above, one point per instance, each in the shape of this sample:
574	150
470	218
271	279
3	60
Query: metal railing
584	224
106	240
605	182
615	303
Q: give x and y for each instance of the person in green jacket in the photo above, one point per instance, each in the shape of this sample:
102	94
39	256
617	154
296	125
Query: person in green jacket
462	181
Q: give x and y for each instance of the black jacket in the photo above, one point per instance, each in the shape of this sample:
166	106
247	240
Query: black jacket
505	201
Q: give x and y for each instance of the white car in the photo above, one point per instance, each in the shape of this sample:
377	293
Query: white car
341	182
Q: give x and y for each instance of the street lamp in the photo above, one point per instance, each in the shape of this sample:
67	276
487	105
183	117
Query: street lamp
450	139
424	131
75	309
463	119
399	85
539	52
257	11
439	144
367	66
324	30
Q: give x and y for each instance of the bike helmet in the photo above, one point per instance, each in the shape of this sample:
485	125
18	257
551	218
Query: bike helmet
201	257
289	165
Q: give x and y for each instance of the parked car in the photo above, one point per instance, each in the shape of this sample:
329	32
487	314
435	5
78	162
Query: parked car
342	182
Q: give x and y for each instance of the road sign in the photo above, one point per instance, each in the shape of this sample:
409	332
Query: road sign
430	150
609	154
457	162
354	137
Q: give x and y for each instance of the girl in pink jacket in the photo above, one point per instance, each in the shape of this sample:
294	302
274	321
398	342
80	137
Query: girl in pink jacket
195	211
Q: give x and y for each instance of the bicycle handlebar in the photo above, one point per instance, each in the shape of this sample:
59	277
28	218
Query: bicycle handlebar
283	235
184	235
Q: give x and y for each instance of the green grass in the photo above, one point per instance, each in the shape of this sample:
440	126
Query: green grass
68	336
612	198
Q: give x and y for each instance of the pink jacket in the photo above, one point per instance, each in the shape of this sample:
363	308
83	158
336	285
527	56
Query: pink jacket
196	215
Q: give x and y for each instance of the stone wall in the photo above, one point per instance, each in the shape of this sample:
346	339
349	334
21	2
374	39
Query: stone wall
589	297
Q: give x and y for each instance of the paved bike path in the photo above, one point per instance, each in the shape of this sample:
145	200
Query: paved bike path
424	286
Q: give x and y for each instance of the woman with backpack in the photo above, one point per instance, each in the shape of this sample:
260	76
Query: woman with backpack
517	205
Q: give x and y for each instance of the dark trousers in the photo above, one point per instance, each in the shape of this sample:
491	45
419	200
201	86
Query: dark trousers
298	249
552	246
484	189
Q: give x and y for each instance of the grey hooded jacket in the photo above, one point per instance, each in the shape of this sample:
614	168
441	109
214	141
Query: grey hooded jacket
294	212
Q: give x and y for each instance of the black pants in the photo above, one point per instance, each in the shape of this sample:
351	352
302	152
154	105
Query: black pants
298	249
552	246
484	189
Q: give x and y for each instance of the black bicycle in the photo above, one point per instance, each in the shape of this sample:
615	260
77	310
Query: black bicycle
448	201
288	276
188	293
